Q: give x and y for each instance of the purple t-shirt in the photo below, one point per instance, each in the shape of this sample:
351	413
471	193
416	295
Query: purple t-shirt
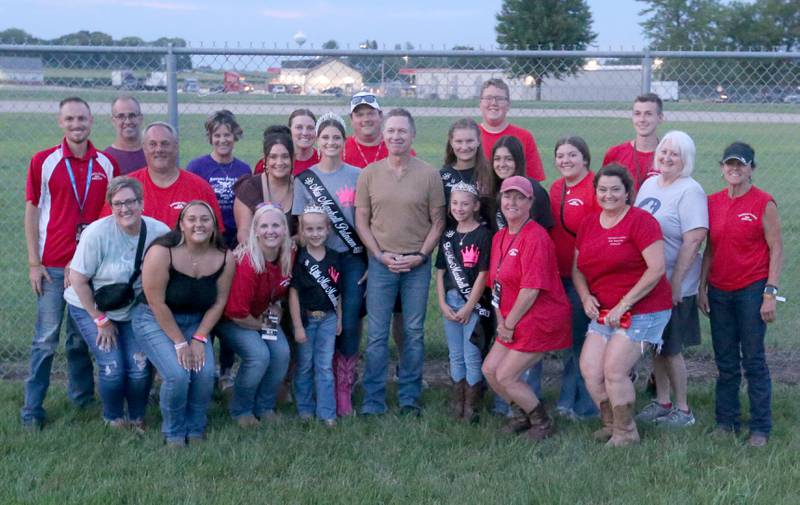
128	161
221	179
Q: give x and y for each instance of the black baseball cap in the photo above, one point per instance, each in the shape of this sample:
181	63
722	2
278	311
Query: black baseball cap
739	151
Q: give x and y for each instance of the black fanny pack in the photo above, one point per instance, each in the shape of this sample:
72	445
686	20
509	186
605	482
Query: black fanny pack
120	294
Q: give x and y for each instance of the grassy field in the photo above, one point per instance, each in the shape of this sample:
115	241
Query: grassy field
22	134
390	460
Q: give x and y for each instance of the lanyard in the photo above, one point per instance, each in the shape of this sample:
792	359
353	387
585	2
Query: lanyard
363	156
82	203
504	254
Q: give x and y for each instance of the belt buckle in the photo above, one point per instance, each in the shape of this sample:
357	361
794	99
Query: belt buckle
317	314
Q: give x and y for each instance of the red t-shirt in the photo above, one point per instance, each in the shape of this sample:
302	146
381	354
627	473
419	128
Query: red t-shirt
640	166
579	202
736	230
612	261
165	204
49	188
299	165
359	155
251	292
529	261
533	163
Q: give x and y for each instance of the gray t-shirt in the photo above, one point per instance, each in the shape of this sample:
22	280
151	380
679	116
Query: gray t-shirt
680	207
341	184
105	255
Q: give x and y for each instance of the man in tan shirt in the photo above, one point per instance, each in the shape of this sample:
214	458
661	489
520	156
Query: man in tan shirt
399	217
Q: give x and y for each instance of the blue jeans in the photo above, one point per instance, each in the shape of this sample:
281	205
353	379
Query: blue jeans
123	371
465	357
262	368
49	312
313	375
352	269
573	394
184	395
737	332
382	289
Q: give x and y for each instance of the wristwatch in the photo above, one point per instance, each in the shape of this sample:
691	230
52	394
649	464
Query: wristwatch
770	290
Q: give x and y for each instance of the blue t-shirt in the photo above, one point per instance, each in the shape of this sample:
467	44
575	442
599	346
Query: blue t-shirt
221	179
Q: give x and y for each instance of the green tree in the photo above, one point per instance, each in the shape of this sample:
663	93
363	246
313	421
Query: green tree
544	24
683	24
331	44
17	36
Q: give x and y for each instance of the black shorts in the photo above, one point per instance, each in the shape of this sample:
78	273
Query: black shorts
683	329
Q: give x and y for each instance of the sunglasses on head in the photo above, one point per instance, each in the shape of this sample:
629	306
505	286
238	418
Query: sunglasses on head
363	99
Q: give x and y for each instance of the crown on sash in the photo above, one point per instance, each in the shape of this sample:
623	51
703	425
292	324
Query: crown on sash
465	187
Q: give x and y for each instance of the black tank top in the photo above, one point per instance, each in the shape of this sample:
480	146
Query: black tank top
186	294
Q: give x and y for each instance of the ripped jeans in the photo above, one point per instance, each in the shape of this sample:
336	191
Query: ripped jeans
123	372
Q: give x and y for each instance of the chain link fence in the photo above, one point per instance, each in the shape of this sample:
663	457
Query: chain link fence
715	97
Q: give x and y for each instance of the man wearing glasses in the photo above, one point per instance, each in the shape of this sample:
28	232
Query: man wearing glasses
65	190
366	145
126	116
495	102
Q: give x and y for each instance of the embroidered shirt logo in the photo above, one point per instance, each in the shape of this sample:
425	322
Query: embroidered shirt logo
98	176
177	205
575	202
748	217
513	252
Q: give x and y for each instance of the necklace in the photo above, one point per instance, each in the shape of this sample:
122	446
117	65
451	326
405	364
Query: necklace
280	202
463	236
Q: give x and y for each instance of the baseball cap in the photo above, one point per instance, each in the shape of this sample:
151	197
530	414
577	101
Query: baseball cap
739	151
364	97
518	183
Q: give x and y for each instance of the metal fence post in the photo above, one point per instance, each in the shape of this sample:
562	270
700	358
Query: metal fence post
647	71
172	89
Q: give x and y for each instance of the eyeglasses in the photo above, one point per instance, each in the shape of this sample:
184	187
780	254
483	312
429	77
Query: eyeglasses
495	99
362	99
130	116
119	204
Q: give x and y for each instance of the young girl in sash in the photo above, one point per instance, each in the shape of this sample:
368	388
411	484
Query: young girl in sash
462	265
316	312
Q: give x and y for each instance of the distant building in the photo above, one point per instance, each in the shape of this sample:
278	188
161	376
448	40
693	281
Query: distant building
596	83
321	75
21	70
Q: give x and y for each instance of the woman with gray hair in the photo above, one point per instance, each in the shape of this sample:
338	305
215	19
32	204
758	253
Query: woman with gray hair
104	281
679	205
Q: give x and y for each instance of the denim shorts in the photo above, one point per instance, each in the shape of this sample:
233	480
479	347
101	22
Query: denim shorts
645	328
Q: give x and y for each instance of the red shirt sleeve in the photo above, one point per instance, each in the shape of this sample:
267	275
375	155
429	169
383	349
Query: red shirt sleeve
610	156
540	260
533	161
243	290
33	185
646	230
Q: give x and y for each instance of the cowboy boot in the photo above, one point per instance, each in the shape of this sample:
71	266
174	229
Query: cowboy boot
344	370
517	423
457	391
607	418
625	432
472	402
541	424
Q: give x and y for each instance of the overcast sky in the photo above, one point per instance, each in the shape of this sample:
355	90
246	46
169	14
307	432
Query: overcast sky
424	23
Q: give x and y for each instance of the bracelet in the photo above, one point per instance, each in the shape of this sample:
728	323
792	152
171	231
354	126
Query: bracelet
200	338
102	320
181	345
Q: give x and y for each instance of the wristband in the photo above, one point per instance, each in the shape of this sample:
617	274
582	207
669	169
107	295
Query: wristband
424	256
101	321
181	345
200	338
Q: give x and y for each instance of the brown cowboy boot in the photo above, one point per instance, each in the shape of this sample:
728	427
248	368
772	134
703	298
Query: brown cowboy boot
541	424
518	423
472	402
457	398
607	418
625	432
